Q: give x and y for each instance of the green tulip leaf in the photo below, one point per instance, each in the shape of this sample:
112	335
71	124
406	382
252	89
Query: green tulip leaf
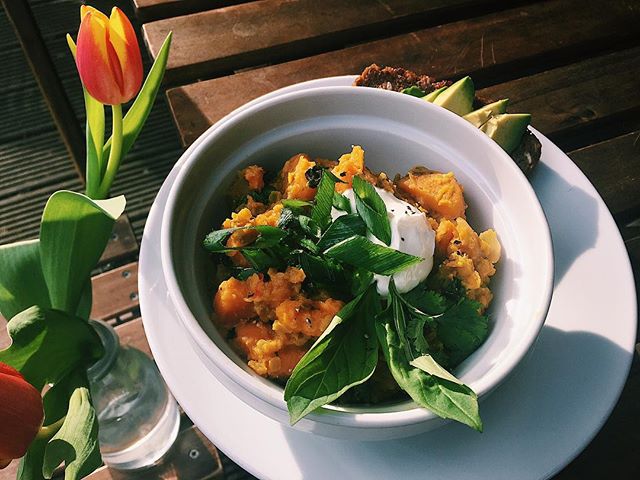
21	282
48	344
74	232
139	110
76	443
56	405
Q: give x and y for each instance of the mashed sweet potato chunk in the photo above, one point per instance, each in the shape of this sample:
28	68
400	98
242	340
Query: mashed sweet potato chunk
274	322
349	165
438	193
294	178
468	256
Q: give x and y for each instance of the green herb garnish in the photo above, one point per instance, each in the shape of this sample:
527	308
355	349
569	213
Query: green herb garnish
361	252
344	356
321	212
372	210
414	91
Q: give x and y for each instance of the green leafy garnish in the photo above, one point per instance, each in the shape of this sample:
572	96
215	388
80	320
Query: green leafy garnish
414	91
343	227
294	204
372	210
268	236
361	252
321	212
344	356
341	202
445	398
462	329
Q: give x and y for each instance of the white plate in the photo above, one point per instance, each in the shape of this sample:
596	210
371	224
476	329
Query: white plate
535	423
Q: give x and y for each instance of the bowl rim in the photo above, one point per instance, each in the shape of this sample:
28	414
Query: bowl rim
362	417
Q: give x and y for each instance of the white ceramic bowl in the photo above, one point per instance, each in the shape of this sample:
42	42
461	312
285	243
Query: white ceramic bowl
397	132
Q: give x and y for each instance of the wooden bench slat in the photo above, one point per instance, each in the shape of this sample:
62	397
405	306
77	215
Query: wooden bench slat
256	33
613	166
566	98
115	292
148	10
122	243
483	46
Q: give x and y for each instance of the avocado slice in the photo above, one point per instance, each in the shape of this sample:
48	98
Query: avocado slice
430	97
458	97
507	129
481	115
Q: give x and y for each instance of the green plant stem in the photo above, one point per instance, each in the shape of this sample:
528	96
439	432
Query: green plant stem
115	154
50	430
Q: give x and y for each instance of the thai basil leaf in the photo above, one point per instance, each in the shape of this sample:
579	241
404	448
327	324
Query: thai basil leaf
309	226
343	227
462	329
321	213
344	356
414	91
21	282
427	364
321	270
268	236
48	344
341	202
400	320
363	253
76	443
372	209
360	281
73	234
294	204
139	111
445	398
262	260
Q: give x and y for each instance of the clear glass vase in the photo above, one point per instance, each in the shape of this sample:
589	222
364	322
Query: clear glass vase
137	416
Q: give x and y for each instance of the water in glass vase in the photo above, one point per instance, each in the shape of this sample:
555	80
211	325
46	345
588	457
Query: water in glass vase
138	418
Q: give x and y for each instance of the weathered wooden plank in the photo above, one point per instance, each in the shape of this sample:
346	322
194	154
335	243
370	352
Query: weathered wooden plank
613	166
122	243
115	292
567	98
148	10
253	33
486	47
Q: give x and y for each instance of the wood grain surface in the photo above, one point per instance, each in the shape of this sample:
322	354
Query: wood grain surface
225	39
492	48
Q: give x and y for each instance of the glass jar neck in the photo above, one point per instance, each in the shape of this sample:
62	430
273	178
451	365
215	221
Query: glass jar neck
111	344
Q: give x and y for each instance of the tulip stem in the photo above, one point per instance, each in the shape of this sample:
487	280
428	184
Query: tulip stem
115	152
50	430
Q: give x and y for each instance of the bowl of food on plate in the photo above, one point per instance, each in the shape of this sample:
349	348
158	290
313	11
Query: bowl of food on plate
358	263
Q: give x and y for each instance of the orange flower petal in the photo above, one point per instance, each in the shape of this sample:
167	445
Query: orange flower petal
96	60
122	37
21	413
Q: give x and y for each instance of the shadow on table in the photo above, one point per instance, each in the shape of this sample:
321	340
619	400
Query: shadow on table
539	419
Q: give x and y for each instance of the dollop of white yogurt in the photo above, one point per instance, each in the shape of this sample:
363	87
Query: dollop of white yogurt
410	233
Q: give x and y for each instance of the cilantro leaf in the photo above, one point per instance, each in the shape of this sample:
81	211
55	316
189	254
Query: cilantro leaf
462	329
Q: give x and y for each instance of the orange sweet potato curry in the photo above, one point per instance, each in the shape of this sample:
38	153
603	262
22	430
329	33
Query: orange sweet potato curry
347	285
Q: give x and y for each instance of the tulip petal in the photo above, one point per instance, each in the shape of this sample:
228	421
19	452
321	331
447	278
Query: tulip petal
95	58
122	37
84	9
21	413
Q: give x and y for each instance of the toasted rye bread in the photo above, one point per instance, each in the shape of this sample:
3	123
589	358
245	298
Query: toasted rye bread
526	155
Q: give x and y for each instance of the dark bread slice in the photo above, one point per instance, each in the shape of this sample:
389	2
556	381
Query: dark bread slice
526	155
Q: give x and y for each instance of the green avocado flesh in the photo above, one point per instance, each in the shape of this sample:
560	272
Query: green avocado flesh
507	129
458	98
430	97
480	116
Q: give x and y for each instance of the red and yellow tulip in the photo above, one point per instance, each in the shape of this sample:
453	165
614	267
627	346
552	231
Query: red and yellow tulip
21	414
108	56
